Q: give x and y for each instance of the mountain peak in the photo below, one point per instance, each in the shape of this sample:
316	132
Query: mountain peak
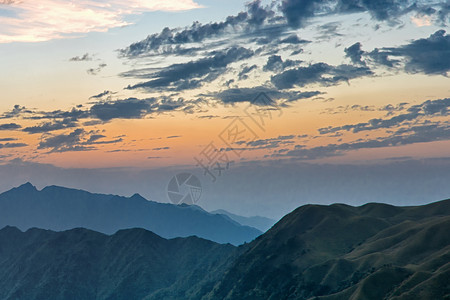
27	186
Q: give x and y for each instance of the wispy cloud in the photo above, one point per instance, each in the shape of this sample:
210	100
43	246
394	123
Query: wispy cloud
36	21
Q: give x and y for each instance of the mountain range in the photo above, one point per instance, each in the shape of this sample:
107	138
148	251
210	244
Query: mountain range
58	208
375	251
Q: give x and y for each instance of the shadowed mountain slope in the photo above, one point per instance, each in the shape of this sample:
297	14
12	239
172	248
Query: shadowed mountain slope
375	251
82	264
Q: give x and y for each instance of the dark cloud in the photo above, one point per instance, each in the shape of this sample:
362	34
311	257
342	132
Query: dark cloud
95	137
170	40
131	108
161	148
192	74
236	95
10	126
15	112
355	54
77	140
380	9
99	112
265	24
51	126
298	11
440	107
13	145
268	143
319	73
417	134
389	108
428	55
70	115
65	142
84	57
102	94
243	74
7	139
22	112
444	12
276	64
258	14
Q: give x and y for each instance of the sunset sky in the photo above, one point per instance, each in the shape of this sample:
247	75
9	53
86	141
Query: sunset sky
92	89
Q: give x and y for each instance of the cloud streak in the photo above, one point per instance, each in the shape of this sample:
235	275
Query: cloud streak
37	21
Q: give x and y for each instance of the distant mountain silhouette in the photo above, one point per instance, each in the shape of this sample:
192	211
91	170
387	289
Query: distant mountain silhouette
260	223
375	251
59	208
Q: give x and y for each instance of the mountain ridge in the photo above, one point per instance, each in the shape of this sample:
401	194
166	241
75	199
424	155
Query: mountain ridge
60	208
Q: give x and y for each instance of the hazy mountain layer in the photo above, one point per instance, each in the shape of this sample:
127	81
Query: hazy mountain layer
59	208
260	223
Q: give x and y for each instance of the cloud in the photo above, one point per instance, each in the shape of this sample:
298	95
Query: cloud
84	57
318	73
273	20
427	55
43	20
51	126
236	95
268	143
355	54
95	71
64	142
169	41
102	94
77	140
243	74
10	126
16	111
298	12
161	148
440	107
7	139
417	134
276	64
131	108
380	9
191	74
99	112
12	145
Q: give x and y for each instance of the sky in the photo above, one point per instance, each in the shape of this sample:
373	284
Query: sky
271	104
